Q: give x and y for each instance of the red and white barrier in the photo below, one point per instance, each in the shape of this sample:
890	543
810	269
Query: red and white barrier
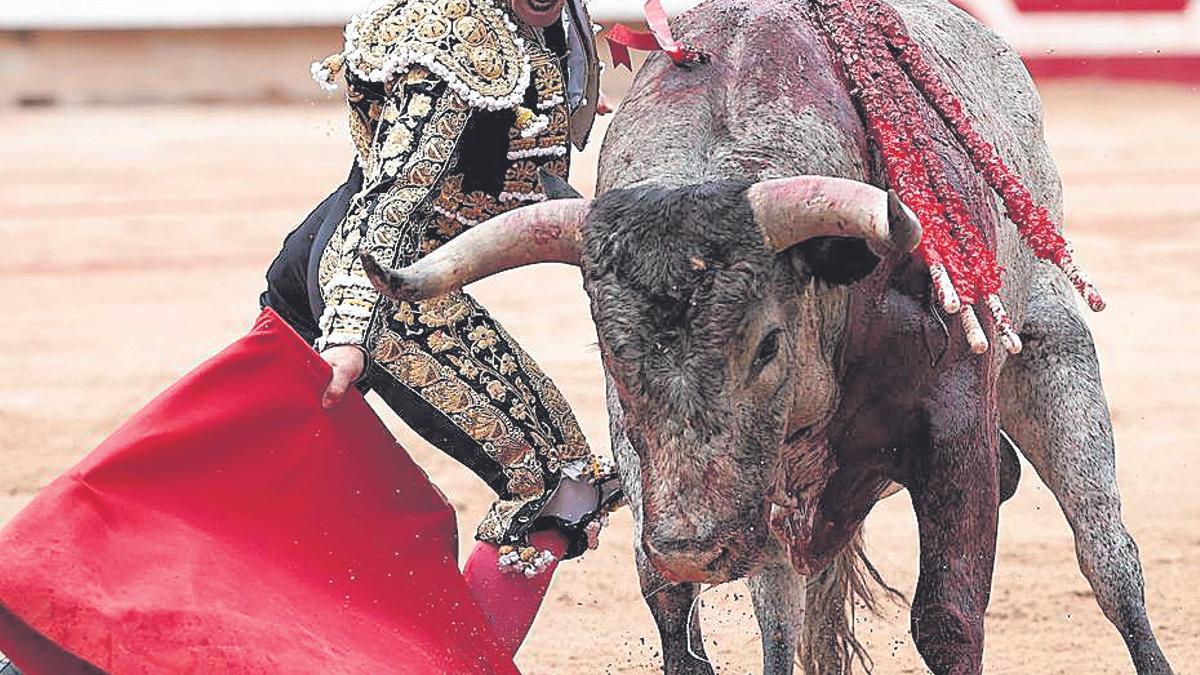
1127	39
1131	39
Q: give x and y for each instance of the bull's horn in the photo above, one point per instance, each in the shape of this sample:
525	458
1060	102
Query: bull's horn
546	232
793	210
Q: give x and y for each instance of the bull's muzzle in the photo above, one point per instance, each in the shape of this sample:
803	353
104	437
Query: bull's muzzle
685	561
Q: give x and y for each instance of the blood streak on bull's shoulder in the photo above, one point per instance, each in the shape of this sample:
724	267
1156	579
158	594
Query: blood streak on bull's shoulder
891	80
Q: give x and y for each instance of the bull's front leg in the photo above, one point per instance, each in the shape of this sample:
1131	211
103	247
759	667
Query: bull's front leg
778	594
671	605
678	620
1053	403
955	492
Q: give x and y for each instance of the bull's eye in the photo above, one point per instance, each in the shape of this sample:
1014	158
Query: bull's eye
768	349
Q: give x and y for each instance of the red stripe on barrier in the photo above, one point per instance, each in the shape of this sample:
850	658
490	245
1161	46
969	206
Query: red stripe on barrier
1042	6
1181	69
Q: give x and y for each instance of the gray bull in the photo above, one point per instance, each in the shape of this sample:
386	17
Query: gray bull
773	350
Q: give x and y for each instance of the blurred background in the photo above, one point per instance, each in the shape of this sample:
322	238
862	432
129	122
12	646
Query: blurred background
154	154
130	51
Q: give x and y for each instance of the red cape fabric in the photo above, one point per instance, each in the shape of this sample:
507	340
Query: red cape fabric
233	526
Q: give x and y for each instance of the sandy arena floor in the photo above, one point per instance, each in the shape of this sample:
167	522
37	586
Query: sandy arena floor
135	242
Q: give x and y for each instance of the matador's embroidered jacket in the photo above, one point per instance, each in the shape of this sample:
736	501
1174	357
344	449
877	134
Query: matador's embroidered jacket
416	69
454	110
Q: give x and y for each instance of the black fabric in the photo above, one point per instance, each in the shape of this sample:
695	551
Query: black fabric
485	141
289	292
556	38
432	425
293	292
334	215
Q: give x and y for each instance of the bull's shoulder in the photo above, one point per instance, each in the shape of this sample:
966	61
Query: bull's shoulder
995	88
715	20
769	103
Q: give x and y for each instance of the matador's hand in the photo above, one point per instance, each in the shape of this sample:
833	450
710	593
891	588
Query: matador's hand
348	363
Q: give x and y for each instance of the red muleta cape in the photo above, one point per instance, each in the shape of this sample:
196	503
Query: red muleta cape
233	526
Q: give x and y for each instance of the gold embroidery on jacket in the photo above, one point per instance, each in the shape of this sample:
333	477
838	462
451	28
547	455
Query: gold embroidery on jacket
508	404
472	44
405	163
448	350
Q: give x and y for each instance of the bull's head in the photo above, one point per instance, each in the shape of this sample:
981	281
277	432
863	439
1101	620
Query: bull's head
719	324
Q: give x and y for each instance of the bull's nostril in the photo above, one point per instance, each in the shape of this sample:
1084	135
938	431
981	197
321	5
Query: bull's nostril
698	553
689	560
798	434
722	555
672	547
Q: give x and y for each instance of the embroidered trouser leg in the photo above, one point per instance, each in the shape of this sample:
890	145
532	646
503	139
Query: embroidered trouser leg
470	389
433	166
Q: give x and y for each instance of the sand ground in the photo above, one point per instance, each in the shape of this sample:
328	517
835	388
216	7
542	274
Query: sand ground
134	243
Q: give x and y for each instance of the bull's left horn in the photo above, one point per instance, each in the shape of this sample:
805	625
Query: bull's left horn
546	232
790	211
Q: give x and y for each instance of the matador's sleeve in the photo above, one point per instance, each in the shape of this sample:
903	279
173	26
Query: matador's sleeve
406	138
415	69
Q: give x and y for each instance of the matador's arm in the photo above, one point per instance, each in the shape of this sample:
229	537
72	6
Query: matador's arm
406	138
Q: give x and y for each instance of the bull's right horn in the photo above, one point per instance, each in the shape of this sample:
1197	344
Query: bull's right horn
790	211
547	232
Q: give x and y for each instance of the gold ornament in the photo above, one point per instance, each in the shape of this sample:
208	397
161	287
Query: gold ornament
468	43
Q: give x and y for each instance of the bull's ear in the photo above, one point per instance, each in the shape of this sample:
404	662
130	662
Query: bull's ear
834	260
555	187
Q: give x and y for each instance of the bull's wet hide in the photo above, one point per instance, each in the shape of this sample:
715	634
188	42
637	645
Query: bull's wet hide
799	484
233	526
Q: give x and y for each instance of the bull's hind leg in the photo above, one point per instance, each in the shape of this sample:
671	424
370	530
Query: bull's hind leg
677	619
1053	406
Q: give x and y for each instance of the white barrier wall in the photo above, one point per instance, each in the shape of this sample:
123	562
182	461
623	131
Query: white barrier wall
140	14
1117	31
84	51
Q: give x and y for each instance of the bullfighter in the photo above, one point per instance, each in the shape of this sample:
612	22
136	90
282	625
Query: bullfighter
455	109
